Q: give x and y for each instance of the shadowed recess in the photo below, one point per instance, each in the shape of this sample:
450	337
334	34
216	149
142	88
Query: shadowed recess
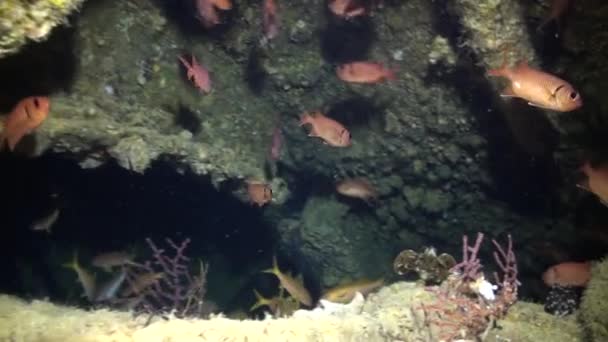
187	119
39	69
255	75
356	111
345	41
110	208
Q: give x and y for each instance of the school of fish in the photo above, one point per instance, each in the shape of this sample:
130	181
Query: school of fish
537	87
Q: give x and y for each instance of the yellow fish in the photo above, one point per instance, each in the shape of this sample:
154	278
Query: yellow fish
294	287
86	279
346	292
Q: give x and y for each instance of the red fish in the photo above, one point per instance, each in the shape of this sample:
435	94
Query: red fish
346	8
207	13
331	131
27	115
197	74
364	72
224	5
277	142
568	274
260	193
597	181
539	88
271	22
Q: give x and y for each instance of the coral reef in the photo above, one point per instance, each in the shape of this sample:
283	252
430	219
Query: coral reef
592	313
21	21
418	139
385	316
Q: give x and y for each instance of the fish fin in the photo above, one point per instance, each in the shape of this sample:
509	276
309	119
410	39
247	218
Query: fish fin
538	105
74	263
508	92
584	185
260	300
500	72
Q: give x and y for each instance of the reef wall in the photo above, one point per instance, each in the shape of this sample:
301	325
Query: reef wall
433	142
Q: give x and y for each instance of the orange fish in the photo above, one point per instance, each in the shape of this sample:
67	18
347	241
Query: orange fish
271	22
568	274
331	131
360	188
364	72
259	193
27	115
207	13
346	8
597	181
539	88
224	5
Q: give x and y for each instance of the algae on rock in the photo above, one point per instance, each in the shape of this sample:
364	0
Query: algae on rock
594	305
23	20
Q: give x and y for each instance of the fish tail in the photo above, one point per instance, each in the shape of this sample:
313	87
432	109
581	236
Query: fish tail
260	301
275	267
74	263
391	74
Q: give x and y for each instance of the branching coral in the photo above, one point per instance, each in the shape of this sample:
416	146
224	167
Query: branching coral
466	305
172	289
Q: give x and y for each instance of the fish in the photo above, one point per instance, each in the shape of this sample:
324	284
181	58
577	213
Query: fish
539	88
277	143
197	74
109	289
596	182
360	188
27	115
270	20
224	5
346	293
45	223
329	130
364	72
207	13
294	287
346	8
141	282
557	11
112	259
568	274
86	279
259	193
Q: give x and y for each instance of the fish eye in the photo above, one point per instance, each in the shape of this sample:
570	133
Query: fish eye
36	102
573	95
